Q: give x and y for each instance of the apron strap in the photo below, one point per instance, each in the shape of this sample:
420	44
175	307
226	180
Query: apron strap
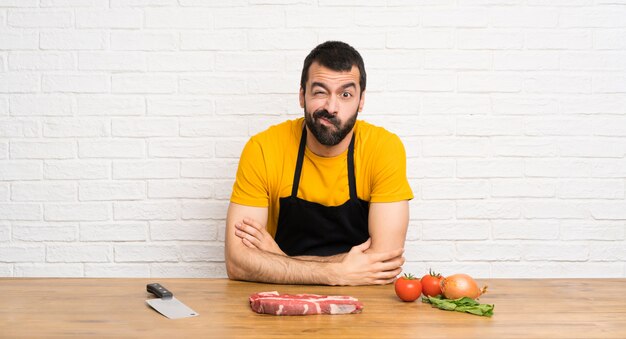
296	175
301	149
351	177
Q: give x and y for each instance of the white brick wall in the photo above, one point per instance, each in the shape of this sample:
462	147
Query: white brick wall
121	124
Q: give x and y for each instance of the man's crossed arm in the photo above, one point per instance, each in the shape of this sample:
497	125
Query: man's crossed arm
253	255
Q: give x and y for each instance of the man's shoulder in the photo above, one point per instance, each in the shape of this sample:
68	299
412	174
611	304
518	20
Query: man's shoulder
370	134
279	132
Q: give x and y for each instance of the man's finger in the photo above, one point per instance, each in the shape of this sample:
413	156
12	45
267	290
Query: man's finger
391	266
241	234
250	230
383	281
253	240
364	246
253	223
247	243
391	274
386	256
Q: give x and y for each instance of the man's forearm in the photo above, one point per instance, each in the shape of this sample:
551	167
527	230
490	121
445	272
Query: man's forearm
331	258
262	266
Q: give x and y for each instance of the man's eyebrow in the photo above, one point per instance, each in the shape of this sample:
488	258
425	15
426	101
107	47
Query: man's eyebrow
348	85
322	85
318	84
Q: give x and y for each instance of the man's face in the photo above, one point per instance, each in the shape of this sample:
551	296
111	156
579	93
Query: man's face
331	103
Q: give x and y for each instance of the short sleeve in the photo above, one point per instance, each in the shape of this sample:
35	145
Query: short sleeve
251	184
389	182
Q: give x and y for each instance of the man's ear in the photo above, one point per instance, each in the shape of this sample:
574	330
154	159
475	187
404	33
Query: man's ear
301	97
361	101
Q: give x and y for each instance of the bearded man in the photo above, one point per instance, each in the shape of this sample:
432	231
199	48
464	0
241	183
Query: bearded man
322	199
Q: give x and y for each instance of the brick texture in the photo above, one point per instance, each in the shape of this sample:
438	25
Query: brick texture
121	125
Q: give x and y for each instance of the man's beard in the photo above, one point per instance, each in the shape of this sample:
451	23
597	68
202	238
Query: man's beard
327	135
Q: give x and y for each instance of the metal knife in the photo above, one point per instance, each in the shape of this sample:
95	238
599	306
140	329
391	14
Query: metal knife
166	304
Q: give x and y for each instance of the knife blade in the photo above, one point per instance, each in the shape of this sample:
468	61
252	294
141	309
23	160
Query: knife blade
167	304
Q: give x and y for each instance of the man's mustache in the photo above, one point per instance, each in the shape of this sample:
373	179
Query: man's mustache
322	113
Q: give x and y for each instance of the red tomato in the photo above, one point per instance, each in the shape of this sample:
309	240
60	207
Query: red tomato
431	284
408	288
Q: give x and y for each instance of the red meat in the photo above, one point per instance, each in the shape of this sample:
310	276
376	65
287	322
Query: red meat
303	304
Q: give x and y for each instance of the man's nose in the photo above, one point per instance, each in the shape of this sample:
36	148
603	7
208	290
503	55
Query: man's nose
332	104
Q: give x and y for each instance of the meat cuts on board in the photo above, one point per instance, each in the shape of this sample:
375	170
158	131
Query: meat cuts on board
303	304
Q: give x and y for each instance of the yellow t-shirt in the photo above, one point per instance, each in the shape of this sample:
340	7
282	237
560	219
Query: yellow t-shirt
268	162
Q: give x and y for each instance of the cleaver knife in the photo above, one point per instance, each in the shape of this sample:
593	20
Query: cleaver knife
166	304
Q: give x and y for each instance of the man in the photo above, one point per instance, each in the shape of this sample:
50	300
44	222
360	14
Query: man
321	199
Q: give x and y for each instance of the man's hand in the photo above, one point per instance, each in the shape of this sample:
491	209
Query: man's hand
360	268
254	235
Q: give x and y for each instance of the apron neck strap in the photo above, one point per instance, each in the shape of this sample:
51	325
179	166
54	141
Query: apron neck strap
296	176
351	178
301	149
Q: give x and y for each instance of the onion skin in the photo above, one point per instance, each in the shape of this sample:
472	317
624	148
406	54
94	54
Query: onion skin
461	285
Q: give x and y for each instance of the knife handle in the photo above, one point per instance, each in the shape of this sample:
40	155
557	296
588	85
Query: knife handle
158	290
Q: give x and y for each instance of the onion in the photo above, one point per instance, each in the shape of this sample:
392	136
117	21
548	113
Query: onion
461	285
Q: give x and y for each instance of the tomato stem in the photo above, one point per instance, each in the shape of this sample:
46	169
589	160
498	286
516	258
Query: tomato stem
434	274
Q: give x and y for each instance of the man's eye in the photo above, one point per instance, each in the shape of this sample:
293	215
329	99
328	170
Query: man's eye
346	94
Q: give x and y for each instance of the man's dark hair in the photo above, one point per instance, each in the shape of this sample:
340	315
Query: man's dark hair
337	56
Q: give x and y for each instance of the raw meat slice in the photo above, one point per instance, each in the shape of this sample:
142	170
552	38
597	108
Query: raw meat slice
303	304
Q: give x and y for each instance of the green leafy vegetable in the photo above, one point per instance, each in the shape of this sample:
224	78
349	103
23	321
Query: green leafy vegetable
464	304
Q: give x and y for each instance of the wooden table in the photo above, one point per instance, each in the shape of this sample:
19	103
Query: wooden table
551	308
